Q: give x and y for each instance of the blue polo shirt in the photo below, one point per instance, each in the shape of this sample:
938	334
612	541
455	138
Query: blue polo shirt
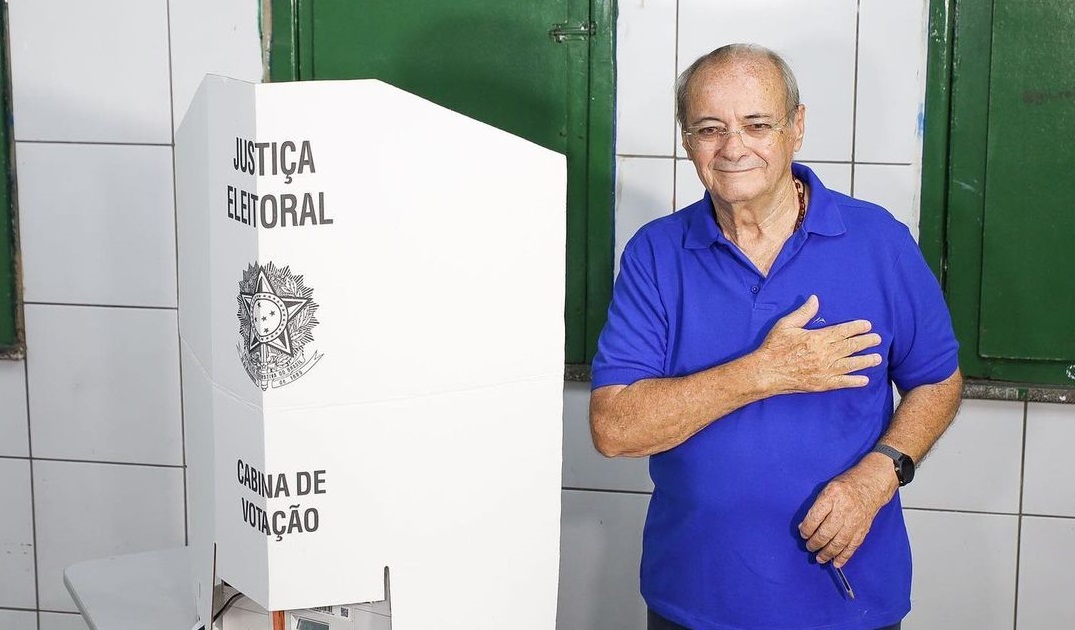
721	548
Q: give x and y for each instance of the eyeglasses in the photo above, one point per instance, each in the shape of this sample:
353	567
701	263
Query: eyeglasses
755	134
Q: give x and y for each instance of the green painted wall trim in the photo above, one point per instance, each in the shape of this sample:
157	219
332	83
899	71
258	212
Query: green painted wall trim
932	212
600	231
578	242
11	336
283	51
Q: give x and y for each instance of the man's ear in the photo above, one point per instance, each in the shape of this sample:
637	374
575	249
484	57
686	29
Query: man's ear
799	124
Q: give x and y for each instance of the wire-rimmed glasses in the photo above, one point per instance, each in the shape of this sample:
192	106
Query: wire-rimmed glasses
753	134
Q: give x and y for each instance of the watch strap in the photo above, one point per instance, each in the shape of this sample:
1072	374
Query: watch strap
903	464
885	449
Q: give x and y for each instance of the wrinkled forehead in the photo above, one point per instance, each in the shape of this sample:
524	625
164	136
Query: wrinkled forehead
752	83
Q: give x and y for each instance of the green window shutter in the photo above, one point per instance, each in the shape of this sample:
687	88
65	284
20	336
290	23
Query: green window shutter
998	191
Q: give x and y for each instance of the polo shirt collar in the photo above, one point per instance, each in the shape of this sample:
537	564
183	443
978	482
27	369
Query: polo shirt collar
822	216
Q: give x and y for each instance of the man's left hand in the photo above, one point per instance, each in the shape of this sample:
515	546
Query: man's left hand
842	514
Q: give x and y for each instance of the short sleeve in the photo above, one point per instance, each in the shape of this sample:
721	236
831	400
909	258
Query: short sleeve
924	347
632	345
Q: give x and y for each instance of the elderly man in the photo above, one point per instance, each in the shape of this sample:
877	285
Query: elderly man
750	351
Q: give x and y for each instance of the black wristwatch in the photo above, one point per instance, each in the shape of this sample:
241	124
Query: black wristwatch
904	464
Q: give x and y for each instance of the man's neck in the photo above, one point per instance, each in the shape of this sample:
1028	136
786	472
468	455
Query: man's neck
762	220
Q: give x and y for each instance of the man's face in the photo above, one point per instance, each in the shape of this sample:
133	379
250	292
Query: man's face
747	95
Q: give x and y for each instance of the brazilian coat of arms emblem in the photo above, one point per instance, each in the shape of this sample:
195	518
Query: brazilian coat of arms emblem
276	317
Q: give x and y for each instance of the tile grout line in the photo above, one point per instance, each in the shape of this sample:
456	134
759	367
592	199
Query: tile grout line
675	123
950	511
19	609
124	306
33	497
675	178
96	143
1019	523
855	90
171	74
175	232
607	491
1052	516
88	461
40	610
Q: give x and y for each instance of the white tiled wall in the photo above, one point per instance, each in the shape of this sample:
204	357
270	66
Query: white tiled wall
584	467
836	175
599	559
112	220
891	89
817	39
646	44
98	89
894	186
14	436
17	564
90	423
85	511
90	71
1046	555
964	573
1050	437
62	621
129	412
226	44
951	477
644	191
18	620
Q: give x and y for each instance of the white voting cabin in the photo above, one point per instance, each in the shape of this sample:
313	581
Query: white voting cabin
371	296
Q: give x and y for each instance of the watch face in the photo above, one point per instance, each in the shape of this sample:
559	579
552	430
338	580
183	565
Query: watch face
906	468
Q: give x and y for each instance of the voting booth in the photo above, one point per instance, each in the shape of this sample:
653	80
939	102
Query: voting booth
371	294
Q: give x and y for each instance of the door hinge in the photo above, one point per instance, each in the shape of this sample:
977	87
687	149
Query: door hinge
561	33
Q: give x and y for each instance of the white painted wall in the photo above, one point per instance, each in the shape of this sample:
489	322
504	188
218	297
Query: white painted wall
89	422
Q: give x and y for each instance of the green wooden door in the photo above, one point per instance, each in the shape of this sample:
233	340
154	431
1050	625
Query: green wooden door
524	66
998	196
